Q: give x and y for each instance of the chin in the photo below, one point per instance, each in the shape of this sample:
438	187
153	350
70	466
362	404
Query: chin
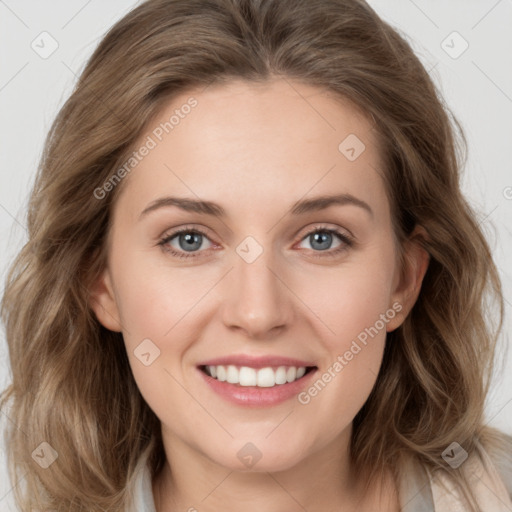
258	457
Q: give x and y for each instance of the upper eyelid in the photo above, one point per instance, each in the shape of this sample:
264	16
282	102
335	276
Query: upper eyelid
175	232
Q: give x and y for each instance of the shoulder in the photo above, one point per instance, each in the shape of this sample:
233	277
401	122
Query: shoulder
139	487
498	452
486	474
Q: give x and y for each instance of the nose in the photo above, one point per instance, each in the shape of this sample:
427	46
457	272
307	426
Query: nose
256	298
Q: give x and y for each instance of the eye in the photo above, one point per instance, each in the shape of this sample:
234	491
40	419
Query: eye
189	240
321	238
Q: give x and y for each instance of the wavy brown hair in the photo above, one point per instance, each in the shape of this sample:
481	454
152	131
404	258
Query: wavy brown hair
71	381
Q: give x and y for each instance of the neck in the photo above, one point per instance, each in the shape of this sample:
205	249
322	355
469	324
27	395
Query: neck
190	481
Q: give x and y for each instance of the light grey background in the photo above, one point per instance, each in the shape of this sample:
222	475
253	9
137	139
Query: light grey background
477	85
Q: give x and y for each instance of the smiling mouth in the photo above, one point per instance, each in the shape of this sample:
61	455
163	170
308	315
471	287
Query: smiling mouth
245	376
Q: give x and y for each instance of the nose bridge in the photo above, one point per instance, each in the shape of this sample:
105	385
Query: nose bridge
257	301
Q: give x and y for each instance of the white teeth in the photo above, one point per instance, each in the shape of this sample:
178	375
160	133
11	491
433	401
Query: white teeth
221	373
266	378
263	377
247	376
291	374
232	375
281	375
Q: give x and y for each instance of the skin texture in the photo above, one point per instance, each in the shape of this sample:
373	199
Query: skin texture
256	149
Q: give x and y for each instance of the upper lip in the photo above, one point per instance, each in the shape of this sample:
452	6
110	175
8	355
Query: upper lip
255	361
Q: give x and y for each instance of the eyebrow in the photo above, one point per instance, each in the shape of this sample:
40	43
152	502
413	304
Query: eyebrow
300	207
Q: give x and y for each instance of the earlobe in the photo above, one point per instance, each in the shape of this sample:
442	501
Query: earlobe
103	302
416	261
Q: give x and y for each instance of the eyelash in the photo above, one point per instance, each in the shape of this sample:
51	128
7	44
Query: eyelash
347	241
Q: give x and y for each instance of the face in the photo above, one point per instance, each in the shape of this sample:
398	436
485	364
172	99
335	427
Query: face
277	282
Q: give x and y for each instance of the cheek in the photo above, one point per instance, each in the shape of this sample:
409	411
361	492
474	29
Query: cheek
157	308
351	298
354	303
352	359
162	312
154	300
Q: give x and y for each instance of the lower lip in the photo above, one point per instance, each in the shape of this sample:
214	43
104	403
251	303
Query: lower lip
253	396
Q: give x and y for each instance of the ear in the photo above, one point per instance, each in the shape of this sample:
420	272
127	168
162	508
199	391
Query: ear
410	277
103	302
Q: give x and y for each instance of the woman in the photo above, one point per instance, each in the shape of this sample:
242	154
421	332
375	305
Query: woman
175	345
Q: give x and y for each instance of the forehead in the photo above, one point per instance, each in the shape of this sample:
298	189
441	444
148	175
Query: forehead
253	143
